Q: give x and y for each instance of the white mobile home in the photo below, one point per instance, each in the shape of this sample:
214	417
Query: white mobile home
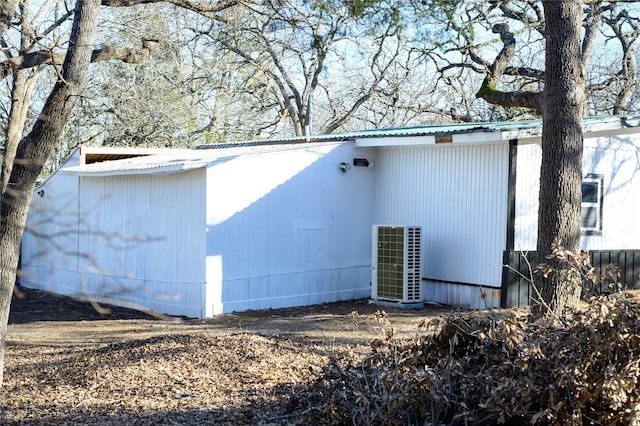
208	231
285	223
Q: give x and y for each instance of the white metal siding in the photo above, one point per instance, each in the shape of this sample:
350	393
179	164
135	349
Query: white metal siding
458	194
53	214
147	236
617	158
289	229
140	243
50	242
527	190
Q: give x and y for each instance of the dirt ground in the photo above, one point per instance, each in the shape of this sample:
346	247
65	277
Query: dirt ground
68	363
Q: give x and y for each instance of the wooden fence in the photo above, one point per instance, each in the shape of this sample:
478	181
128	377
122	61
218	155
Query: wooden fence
516	282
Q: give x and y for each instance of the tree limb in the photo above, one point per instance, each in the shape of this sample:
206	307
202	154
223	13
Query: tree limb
207	9
45	57
126	55
496	70
525	72
536	22
378	77
524	99
592	24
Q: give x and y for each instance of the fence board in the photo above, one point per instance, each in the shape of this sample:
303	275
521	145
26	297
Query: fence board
517	291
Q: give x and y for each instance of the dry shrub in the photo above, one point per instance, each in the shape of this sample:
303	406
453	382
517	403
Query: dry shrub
497	367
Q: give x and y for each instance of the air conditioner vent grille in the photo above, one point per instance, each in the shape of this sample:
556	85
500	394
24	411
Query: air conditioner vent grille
396	263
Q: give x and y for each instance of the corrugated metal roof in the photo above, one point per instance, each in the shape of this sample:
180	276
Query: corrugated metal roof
174	162
510	129
438	129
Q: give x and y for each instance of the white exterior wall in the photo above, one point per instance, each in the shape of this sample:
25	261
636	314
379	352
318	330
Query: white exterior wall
288	229
140	243
617	158
527	190
458	194
50	240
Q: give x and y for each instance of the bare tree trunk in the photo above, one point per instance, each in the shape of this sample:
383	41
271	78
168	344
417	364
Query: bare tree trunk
23	82
561	170
35	148
21	90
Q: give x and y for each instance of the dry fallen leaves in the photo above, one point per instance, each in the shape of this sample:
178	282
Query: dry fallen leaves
464	368
500	367
171	379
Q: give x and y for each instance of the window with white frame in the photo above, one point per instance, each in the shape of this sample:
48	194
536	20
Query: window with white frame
591	212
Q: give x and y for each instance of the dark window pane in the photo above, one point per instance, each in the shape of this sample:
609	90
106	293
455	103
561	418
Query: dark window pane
589	217
590	192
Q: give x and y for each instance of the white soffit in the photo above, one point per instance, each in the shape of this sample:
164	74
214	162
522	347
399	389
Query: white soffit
476	137
439	139
395	141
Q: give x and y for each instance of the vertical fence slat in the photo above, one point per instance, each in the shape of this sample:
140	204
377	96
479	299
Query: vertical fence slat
517	290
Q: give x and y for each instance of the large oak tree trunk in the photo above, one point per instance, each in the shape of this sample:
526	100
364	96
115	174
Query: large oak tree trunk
561	170
36	147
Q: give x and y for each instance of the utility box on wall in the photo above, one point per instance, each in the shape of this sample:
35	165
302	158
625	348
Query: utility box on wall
395	260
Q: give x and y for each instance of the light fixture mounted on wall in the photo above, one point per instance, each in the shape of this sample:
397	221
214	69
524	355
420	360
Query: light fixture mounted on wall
344	167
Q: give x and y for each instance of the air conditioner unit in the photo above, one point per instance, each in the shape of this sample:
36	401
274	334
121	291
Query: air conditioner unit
396	264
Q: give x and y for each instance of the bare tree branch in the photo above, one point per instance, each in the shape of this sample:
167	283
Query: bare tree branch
379	76
126	55
108	53
207	9
497	69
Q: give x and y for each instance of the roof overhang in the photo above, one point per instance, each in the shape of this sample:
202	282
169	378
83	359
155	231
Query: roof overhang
93	154
474	133
138	161
180	161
